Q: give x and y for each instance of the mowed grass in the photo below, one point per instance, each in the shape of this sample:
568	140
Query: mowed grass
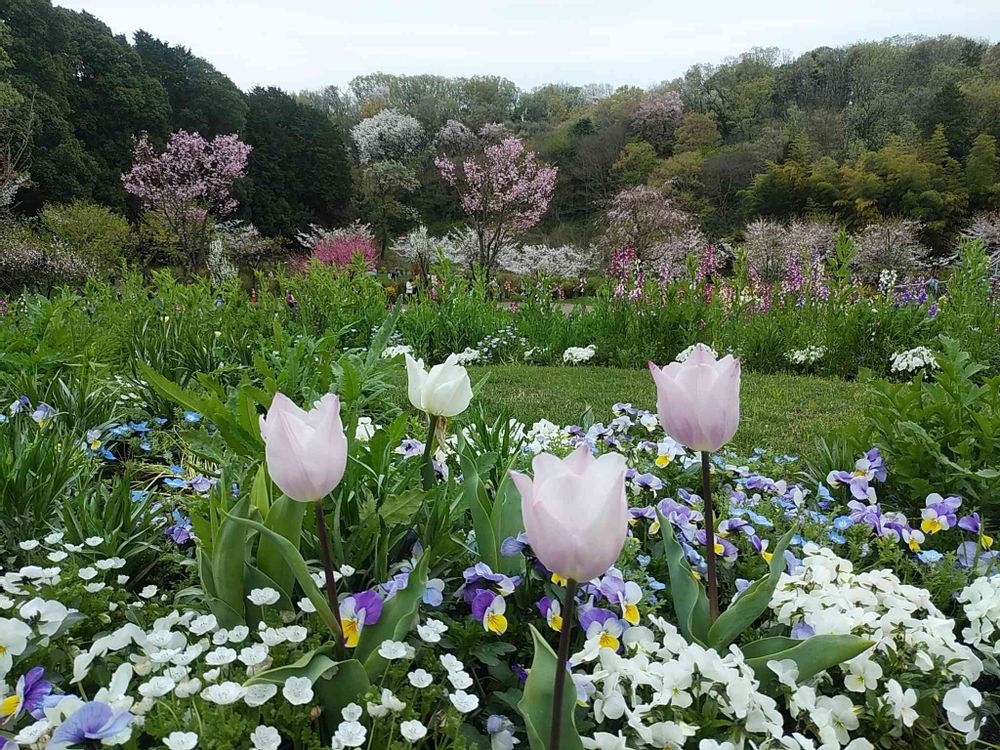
785	413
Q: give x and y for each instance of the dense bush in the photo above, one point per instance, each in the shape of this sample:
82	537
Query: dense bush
88	231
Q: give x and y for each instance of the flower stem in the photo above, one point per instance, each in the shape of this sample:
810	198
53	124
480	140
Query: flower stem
331	582
559	688
706	495
427	470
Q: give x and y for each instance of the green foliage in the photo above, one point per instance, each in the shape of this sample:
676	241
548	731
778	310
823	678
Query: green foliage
536	705
89	231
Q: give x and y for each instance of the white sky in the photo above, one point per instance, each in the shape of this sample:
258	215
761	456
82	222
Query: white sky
310	43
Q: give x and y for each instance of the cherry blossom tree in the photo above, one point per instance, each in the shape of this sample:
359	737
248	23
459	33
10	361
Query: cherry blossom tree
188	184
656	117
644	219
389	135
505	190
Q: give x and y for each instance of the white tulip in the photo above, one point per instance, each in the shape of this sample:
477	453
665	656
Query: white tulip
445	391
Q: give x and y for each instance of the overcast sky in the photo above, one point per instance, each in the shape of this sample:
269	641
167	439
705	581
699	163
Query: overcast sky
299	44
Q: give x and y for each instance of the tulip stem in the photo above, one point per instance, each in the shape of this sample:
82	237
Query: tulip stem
706	496
562	658
427	470
331	581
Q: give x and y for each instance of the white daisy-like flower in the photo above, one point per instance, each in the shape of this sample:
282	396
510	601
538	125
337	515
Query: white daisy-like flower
263	597
220	656
463	701
265	738
57	556
181	741
413	730
260	693
253	655
420	678
224	693
351	734
297	690
392	650
94	587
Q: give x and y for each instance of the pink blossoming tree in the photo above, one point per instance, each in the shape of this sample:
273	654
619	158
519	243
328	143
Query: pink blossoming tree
188	185
505	190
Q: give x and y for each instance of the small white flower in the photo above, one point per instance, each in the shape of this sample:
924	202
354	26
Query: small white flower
203	624
412	730
94	587
787	671
294	633
351	712
54	538
148	592
463	701
351	734
239	634
297	690
220	657
57	556
29	544
32	733
181	741
260	693
420	678
265	738
253	655
263	597
93	541
393	650
224	693
87	574
460	680
156	687
306	606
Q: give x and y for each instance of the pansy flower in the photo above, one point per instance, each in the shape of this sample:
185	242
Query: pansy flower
603	630
481	576
723	547
626	594
43	415
972	523
29	696
489	608
358	611
939	513
552	612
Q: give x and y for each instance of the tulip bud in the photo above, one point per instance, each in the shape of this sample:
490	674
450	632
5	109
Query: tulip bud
306	451
445	391
698	400
575	512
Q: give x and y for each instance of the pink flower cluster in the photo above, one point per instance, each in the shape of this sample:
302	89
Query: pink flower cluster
192	170
341	247
506	180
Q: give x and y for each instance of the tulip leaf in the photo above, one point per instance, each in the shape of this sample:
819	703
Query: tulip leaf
258	579
768	646
335	683
752	603
284	518
293	558
474	492
398	616
507	521
690	600
229	559
536	704
812	655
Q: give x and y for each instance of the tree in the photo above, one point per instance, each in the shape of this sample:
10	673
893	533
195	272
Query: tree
696	132
647	221
188	184
17	121
656	118
634	164
505	190
981	175
388	135
299	173
383	183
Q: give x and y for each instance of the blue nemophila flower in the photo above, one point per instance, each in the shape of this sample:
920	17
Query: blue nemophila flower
92	721
929	556
842	523
159	421
192	417
139	496
837	538
145	445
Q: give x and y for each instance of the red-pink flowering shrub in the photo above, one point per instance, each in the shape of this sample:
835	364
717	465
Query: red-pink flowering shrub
339	247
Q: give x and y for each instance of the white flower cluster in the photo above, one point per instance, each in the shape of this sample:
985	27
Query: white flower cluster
826	596
683	356
390	134
545	436
468	357
391	352
577	355
660	676
809	355
981	602
914	359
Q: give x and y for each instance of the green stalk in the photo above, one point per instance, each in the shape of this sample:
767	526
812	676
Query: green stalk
706	495
562	658
427	470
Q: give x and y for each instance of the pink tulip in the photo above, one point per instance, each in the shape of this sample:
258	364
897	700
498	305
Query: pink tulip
306	451
575	512
698	400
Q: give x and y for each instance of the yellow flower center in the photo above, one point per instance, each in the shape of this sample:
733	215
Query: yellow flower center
767	556
3	649
608	641
654	527
631	614
986	541
662	461
558	580
9	705
351	632
696	575
496	623
930	526
719	549
556	623
914	544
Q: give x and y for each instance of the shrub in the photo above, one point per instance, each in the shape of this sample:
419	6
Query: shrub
28	262
89	231
339	247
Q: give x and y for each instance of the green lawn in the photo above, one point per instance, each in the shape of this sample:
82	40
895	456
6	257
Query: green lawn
783	412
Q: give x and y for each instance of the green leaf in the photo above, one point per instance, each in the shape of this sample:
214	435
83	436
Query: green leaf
293	558
284	518
311	665
812	656
229	561
475	498
768	646
752	603
400	509
536	705
690	601
397	619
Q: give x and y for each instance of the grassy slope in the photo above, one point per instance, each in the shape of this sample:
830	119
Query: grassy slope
783	412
